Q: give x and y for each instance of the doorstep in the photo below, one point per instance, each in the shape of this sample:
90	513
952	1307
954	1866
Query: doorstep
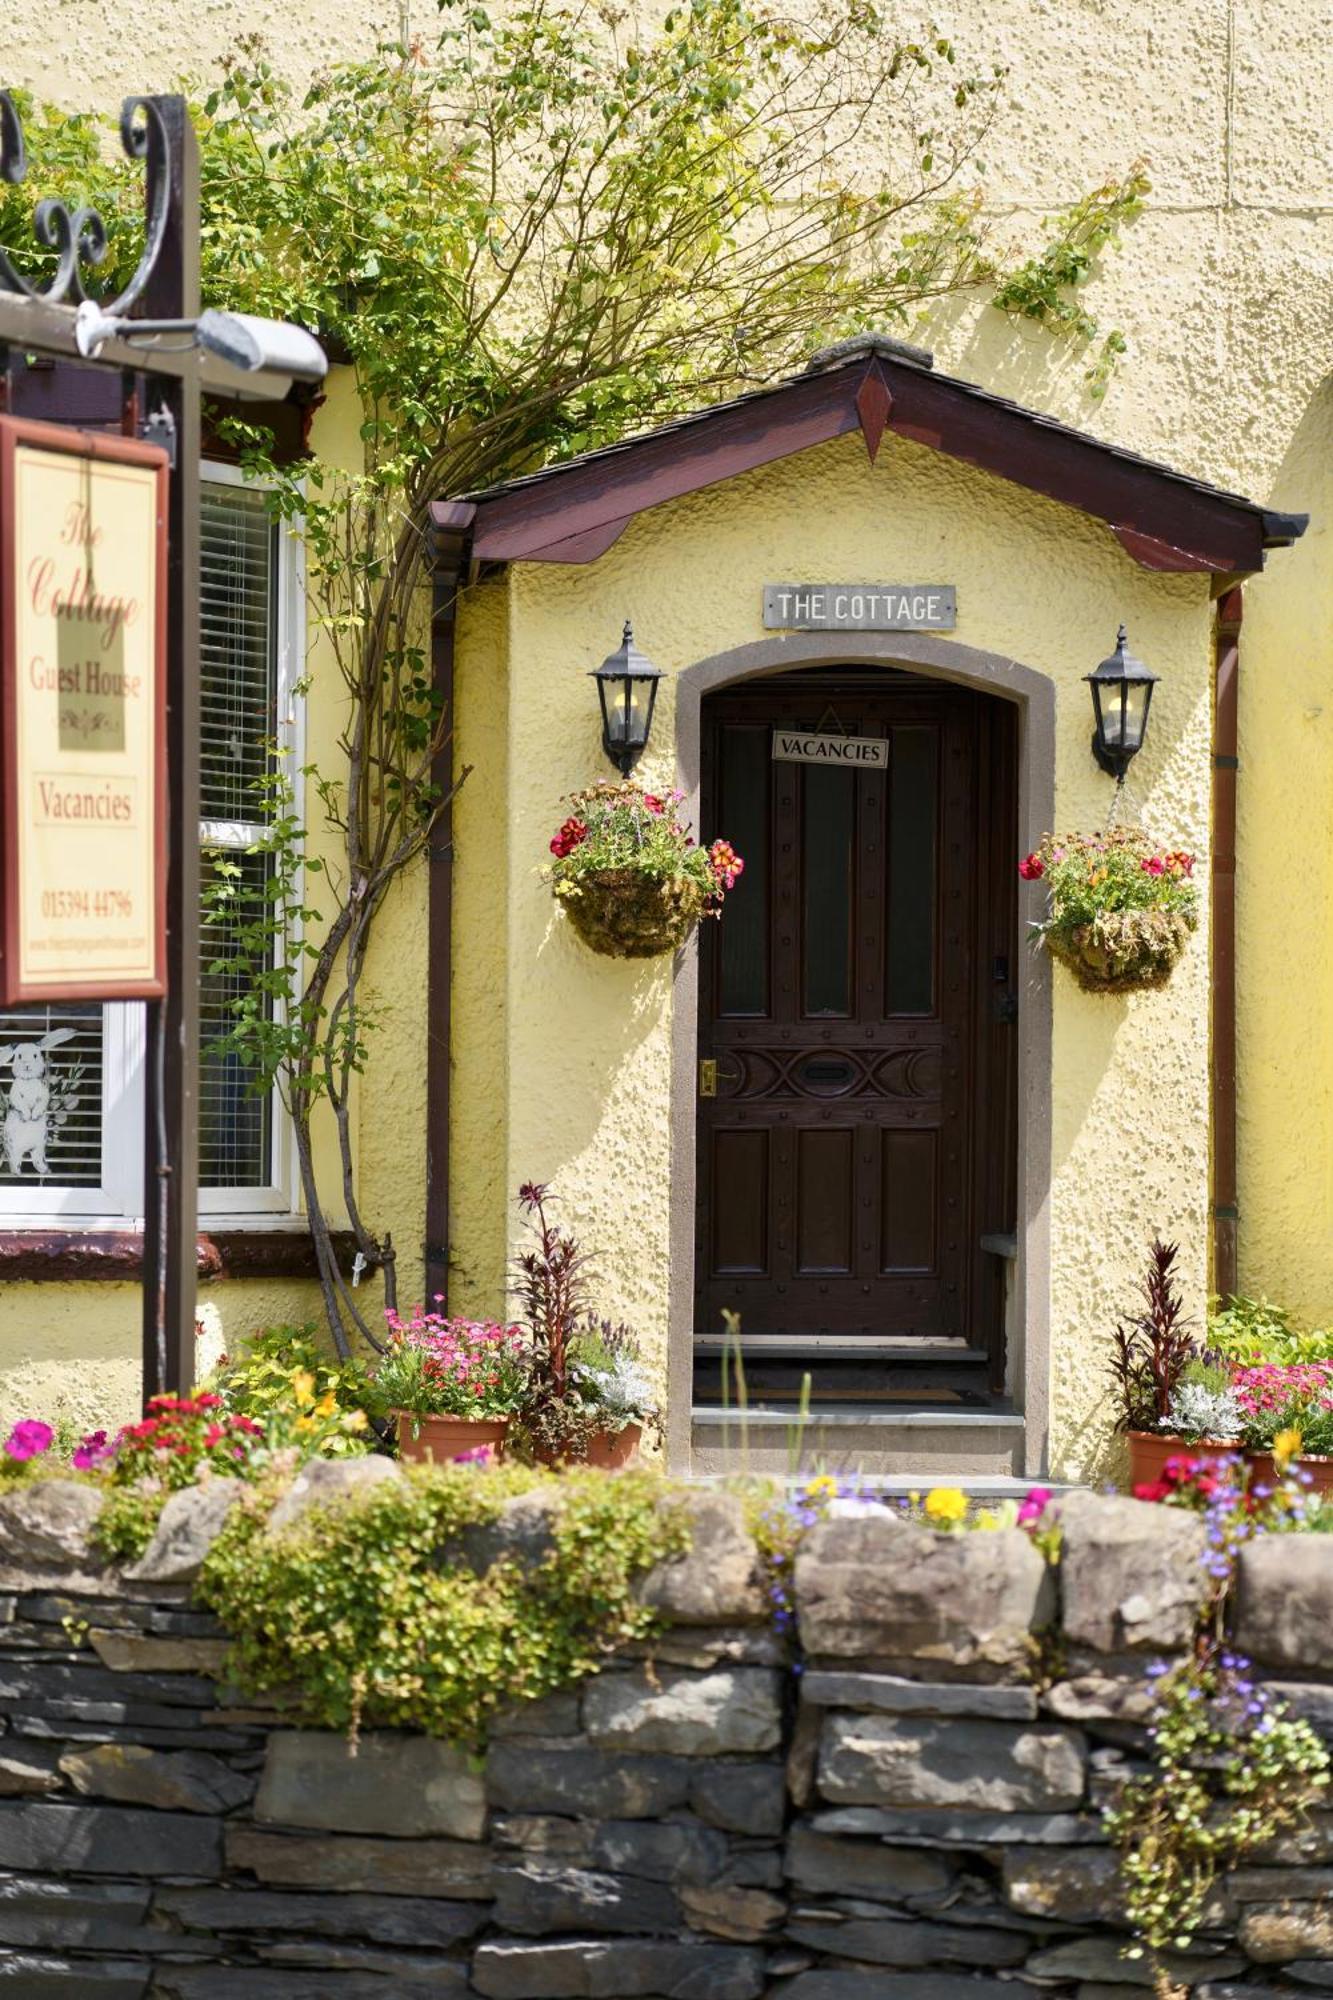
873	1444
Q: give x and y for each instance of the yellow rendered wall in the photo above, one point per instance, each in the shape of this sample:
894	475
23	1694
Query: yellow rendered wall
586	1099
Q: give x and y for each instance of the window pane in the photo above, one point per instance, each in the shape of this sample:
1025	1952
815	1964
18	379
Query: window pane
828	840
237	649
743	807
235	1122
911	931
51	1061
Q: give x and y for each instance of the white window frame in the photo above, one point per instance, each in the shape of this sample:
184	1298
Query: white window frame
117	1202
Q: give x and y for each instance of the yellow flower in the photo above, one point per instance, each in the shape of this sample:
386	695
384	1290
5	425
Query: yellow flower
303	1385
823	1487
326	1405
304	1424
1286	1445
946	1504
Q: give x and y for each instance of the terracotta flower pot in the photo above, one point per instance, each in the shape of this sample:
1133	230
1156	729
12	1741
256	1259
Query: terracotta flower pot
612	1449
607	1450
1263	1470
438	1439
1150	1450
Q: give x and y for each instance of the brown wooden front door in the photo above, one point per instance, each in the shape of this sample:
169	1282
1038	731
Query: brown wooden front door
857	1001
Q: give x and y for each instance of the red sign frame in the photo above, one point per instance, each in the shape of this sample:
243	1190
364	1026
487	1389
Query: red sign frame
86	445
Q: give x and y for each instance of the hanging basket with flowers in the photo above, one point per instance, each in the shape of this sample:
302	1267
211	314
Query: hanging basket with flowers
1121	909
629	874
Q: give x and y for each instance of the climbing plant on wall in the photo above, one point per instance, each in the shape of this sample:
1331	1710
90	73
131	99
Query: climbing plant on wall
525	237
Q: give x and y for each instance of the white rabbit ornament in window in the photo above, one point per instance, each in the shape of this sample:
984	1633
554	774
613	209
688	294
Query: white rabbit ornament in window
31	1107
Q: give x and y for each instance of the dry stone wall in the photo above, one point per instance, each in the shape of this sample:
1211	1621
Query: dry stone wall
913	1815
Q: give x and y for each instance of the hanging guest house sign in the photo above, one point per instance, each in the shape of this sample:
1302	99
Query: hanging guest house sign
859	607
83	603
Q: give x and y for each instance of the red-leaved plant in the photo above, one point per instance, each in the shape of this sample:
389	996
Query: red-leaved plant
1153	1349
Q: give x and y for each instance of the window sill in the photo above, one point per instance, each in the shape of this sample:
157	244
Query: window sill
63	1255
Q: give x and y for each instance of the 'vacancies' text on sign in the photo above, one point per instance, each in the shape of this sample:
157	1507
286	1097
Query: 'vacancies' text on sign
863	753
82	741
860	607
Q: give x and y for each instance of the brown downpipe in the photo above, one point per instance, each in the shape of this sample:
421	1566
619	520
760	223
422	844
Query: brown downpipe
1226	765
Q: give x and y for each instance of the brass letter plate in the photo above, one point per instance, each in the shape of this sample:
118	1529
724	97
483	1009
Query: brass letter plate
708	1077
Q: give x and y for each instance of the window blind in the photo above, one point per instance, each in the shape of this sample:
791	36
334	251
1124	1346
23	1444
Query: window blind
238	698
237	649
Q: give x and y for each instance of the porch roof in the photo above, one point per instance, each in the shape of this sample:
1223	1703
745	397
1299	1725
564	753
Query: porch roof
573	511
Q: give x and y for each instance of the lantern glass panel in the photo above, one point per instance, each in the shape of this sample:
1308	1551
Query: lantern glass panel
1137	696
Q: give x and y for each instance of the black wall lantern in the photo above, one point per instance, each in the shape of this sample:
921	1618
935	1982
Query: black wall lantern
1121	696
627	688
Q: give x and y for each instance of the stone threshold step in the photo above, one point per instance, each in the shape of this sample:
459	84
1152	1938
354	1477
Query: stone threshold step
947	1417
822	1347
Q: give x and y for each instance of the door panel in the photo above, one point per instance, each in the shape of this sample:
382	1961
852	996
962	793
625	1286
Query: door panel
841	1001
825	1199
740	1202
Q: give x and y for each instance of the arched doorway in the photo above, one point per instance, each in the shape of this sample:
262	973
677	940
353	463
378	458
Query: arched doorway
856	1124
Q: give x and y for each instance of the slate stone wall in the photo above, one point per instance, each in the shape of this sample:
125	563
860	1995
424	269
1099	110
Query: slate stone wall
908	1818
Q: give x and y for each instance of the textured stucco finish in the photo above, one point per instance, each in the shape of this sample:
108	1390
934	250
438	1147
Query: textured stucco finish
1225	290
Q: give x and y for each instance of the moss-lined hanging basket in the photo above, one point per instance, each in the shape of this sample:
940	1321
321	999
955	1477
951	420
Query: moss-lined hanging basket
1121	909
1123	951
623	913
629	874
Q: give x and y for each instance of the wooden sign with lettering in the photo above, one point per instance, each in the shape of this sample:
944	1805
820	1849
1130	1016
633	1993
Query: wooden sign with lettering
83	575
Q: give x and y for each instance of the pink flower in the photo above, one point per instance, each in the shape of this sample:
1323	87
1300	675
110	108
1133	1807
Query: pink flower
480	1454
1153	865
1034	1505
29	1439
92	1451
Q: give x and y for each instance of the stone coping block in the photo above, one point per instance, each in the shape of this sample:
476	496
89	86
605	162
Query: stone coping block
717	1580
1131	1573
911	1762
883	1588
1284	1601
331	1482
47	1524
391	1784
187	1528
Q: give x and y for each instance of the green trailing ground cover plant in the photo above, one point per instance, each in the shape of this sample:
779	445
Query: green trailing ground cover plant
373	1615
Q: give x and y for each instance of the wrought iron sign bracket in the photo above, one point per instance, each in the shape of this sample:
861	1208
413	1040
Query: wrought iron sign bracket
78	236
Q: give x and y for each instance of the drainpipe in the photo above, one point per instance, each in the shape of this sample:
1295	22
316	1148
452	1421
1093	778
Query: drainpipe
1226	765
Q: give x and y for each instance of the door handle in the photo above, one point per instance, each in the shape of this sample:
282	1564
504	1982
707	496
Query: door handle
708	1077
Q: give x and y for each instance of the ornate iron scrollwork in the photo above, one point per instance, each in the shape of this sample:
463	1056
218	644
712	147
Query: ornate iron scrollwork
78	236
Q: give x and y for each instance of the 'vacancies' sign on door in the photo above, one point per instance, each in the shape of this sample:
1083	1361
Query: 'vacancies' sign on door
82	724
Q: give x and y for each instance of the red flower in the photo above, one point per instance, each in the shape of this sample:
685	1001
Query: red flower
1032	868
1180	863
653	804
571	835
